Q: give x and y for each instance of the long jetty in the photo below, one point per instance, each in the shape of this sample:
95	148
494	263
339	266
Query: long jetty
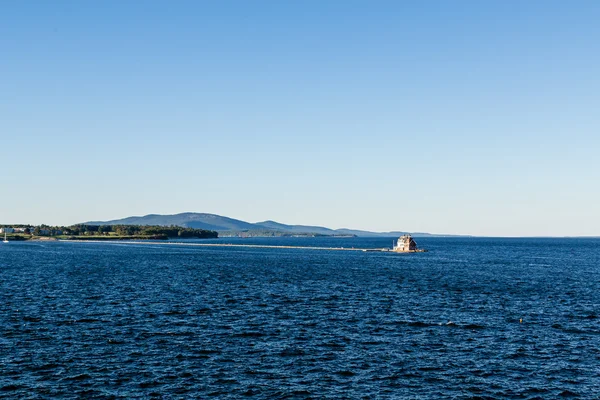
255	246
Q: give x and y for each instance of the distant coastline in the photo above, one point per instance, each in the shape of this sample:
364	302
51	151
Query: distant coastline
231	227
189	225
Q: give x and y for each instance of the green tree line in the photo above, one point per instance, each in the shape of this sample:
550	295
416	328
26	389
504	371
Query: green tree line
154	232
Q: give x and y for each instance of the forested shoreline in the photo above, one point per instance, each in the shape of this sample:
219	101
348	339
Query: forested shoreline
104	232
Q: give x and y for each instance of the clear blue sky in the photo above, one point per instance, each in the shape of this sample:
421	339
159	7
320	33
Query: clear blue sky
470	117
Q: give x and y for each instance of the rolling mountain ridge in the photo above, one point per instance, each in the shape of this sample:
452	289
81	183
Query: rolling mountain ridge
225	224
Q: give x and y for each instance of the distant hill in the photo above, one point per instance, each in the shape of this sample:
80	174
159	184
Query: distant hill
360	233
189	220
272	225
224	224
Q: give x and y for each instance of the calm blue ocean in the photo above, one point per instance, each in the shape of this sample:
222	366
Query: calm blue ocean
88	320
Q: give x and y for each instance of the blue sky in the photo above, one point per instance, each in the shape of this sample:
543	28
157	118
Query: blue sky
482	117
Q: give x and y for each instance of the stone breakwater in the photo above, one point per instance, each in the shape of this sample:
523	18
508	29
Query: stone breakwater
259	246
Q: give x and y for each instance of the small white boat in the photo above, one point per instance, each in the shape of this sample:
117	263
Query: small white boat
5	239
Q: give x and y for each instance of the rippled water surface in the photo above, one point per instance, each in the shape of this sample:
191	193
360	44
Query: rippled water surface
140	320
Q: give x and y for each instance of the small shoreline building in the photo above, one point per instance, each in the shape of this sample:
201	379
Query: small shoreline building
405	244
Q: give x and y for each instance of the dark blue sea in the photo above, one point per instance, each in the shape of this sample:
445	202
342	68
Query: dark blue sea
116	320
